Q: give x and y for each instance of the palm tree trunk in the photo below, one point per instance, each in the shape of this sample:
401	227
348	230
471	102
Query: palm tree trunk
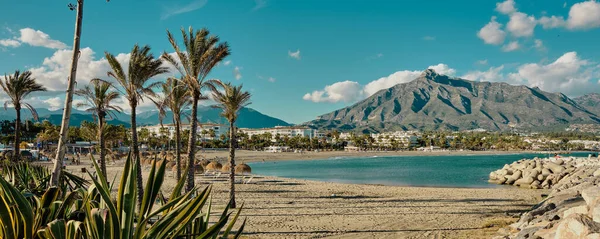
102	144
136	154
64	129
178	147
232	143
16	153
192	144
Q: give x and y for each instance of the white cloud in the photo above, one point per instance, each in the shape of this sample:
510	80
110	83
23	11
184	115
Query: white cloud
259	4
54	71
226	63
492	33
345	91
237	73
443	69
375	57
507	7
539	45
521	25
192	6
584	15
389	81
429	38
39	38
350	91
511	46
482	62
271	79
552	22
9	42
55	103
568	74
295	55
492	74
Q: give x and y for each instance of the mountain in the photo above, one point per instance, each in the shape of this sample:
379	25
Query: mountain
248	118
55	117
590	101
434	101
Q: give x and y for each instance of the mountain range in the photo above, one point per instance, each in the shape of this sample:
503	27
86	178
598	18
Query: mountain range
590	101
438	102
248	118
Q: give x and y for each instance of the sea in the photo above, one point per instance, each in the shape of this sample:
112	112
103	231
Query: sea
468	171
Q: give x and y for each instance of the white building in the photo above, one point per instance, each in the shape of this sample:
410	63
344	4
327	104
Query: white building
587	144
169	130
277	149
404	138
283	131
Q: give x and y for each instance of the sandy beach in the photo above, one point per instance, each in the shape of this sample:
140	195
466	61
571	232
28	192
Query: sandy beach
290	208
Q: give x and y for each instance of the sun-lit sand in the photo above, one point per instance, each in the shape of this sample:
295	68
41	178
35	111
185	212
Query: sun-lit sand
291	208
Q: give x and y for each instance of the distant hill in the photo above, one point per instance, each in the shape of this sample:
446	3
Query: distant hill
248	118
590	101
438	102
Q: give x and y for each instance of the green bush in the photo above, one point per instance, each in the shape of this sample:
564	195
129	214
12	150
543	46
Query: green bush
92	214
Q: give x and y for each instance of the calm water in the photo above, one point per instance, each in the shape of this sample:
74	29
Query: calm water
439	171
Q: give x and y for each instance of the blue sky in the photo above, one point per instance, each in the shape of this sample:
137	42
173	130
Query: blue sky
301	59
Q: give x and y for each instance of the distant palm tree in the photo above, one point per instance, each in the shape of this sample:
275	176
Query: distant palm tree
142	67
231	100
17	87
202	52
101	101
176	98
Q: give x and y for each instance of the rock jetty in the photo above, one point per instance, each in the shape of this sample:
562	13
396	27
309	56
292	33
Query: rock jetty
546	173
571	207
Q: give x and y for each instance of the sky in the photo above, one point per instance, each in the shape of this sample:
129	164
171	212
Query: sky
301	59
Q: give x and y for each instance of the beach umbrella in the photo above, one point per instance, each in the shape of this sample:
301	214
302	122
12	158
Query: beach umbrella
226	168
214	166
243	168
204	163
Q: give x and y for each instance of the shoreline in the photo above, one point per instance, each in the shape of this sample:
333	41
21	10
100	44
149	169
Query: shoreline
248	156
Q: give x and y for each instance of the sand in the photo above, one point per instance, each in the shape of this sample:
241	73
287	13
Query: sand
290	208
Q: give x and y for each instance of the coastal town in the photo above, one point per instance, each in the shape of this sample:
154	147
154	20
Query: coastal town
271	119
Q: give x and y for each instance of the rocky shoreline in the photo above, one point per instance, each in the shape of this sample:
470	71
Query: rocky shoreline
570	210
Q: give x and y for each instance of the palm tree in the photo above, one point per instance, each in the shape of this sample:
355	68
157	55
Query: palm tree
17	87
100	99
202	52
66	117
231	100
176	98
142	67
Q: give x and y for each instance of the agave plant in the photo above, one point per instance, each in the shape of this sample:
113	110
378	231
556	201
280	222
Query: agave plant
93	214
36	178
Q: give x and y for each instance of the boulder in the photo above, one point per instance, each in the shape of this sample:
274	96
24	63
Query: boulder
576	226
512	178
593	236
575	210
594	211
555	168
590	194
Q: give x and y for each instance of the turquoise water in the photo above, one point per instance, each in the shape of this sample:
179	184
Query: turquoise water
434	171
